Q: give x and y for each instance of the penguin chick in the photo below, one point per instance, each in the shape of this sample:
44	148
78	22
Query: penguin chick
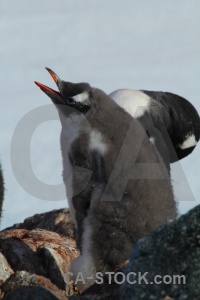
173	116
129	192
71	119
1	192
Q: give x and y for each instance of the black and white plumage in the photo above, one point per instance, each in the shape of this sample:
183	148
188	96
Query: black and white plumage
126	189
170	115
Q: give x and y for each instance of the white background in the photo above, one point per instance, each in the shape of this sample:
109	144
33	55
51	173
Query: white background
111	44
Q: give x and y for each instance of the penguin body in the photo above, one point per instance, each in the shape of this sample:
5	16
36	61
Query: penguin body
126	190
170	115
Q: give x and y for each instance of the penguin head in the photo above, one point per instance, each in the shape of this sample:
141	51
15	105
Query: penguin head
75	95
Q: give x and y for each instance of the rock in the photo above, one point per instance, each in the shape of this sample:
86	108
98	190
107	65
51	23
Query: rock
30	286
38	252
40	259
5	269
19	254
33	263
58	221
101	292
104	291
173	249
1	192
30	293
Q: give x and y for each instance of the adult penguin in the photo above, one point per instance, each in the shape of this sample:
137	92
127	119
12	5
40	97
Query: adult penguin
172	121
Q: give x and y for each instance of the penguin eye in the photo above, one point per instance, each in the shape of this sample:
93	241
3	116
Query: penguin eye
71	100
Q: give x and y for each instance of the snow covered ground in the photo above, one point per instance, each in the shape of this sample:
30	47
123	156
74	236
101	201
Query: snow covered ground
111	44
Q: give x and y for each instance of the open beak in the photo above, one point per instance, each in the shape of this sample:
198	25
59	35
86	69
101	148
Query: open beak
55	96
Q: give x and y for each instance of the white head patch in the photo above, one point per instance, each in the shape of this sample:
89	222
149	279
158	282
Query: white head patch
81	97
97	143
190	141
135	103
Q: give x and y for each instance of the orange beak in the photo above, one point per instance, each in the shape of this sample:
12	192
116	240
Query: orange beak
53	75
45	88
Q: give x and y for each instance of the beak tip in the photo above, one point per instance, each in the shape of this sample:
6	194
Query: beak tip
47	90
53	75
37	83
42	86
